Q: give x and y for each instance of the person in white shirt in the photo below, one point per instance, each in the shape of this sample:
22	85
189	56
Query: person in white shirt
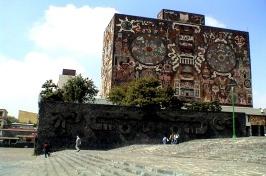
78	143
165	140
176	137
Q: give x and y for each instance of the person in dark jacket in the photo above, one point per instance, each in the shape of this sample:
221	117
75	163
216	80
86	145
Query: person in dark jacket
46	149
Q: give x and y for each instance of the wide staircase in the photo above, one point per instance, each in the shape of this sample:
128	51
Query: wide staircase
84	163
242	156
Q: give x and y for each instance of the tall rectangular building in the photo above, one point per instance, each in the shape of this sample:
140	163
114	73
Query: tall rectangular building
27	117
200	62
66	75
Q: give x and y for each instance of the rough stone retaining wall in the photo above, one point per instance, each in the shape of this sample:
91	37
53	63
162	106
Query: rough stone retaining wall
108	126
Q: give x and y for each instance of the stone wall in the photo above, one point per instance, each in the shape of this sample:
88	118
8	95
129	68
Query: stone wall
108	126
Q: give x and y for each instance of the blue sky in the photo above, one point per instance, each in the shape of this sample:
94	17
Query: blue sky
40	38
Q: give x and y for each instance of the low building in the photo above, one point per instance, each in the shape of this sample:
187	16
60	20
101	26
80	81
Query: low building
255	119
23	125
18	134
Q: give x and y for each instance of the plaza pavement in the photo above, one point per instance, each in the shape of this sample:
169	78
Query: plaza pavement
241	156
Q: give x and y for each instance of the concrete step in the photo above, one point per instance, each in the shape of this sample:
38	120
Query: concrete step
56	167
33	168
129	168
126	167
103	167
65	165
89	163
83	167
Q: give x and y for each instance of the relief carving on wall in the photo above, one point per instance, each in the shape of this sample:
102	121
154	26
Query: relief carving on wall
257	120
107	126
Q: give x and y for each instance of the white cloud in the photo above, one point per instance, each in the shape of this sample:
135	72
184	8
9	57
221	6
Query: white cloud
66	37
72	29
22	82
210	21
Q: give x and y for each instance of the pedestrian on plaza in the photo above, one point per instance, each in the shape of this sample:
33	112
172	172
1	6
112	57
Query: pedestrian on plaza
46	149
176	138
171	138
78	143
165	140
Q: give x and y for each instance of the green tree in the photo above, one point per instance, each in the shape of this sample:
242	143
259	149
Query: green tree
205	106
118	94
215	107
79	90
169	100
11	119
142	92
175	103
50	91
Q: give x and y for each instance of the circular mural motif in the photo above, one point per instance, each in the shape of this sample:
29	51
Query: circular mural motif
148	49
126	25
247	84
221	57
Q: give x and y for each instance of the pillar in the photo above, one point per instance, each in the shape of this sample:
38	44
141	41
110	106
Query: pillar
250	130
260	126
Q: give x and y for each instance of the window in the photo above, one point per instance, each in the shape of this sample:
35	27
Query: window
177	87
197	89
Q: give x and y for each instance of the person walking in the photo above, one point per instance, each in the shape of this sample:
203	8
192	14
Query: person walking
46	149
78	143
165	140
176	137
171	138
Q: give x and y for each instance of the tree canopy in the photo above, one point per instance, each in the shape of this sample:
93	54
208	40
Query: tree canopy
79	90
205	106
148	92
76	89
50	91
117	95
11	119
141	92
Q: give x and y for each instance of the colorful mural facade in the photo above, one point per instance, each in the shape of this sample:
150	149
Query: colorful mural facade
106	70
182	17
201	63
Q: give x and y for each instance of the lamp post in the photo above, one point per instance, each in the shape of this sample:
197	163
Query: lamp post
233	107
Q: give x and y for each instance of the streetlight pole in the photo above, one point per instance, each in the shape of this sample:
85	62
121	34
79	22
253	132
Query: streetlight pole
233	106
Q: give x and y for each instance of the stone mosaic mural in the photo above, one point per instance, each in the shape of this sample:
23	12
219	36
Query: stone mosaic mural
200	62
108	126
106	70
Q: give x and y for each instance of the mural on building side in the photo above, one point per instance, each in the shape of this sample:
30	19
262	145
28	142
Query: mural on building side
106	70
200	62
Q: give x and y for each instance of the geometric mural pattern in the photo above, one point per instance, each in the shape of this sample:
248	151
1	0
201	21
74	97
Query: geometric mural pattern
200	62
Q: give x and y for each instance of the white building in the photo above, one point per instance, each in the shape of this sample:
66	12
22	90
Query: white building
66	75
